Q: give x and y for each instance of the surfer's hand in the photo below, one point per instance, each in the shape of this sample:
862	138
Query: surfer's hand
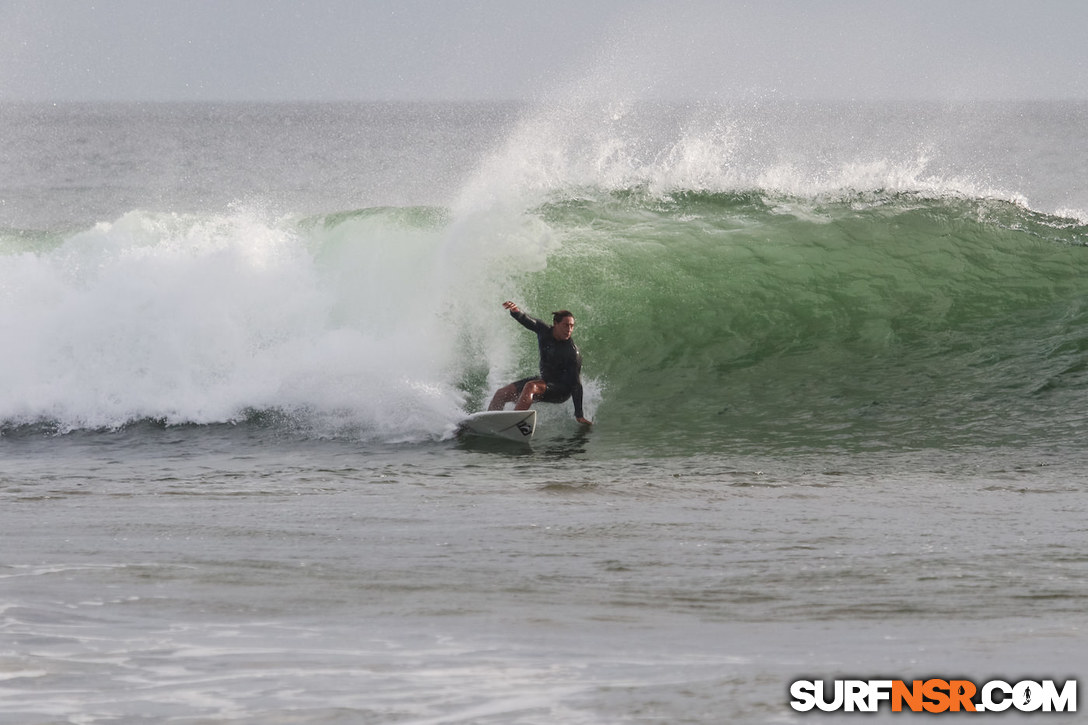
510	306
583	421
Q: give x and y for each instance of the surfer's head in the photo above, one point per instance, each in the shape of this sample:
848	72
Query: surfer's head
562	324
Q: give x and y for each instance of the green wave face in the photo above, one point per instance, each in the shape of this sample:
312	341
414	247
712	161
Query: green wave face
878	321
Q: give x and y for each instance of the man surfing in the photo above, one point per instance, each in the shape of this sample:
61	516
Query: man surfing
560	366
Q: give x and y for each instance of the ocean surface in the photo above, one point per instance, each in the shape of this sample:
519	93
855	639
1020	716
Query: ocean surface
836	355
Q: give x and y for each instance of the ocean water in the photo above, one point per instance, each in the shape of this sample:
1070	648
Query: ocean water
835	355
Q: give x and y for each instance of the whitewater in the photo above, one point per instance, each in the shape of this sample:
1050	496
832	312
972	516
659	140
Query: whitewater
835	356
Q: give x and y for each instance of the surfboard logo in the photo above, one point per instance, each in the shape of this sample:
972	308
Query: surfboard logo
513	425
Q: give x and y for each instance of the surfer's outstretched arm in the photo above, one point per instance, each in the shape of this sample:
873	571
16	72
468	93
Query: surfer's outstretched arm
527	321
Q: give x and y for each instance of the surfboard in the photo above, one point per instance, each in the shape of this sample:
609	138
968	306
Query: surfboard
514	425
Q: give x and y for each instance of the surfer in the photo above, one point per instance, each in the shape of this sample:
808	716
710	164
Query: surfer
560	366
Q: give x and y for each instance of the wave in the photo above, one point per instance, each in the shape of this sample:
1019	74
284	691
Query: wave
880	318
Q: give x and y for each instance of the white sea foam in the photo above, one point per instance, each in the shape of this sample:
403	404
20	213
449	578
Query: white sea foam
202	319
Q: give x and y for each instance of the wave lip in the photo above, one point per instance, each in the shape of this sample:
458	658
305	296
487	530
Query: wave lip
803	150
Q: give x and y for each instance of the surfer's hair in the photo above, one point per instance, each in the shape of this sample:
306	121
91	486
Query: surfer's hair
558	317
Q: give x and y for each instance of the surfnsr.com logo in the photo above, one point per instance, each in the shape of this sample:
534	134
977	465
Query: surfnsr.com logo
934	696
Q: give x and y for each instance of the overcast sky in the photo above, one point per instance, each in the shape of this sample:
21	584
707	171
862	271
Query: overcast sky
524	49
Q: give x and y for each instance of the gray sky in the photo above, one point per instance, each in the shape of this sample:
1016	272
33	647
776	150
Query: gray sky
517	49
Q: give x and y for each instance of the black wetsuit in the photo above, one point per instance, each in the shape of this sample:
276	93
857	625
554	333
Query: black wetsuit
560	364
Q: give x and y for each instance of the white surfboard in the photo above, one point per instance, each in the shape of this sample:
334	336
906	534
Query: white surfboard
514	425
